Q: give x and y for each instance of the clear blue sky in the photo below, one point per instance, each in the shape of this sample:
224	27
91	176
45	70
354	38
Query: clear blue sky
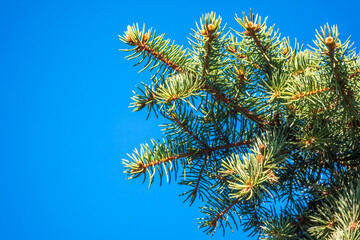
65	122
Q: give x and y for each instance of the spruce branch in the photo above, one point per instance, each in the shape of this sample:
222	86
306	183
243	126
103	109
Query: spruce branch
148	159
219	216
266	133
187	130
354	74
156	49
254	29
243	57
306	94
235	106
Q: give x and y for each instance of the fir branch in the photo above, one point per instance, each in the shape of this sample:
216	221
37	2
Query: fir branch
236	107
142	167
306	94
251	31
319	110
299	72
329	41
220	215
244	57
151	47
330	44
224	147
220	131
234	87
139	166
186	129
209	40
217	94
354	74
194	192
158	55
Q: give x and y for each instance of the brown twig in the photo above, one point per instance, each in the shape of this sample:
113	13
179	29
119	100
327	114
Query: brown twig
186	129
306	94
158	55
207	150
238	108
243	57
251	31
355	73
223	212
194	192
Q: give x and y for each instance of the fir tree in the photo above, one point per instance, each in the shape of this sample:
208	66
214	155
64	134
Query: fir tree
263	132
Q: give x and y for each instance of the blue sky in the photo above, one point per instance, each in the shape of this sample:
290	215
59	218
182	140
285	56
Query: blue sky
65	122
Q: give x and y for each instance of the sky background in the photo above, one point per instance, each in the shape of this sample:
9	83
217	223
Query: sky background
65	122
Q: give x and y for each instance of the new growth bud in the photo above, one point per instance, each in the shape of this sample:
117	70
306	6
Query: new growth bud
329	41
240	72
276	94
251	27
145	38
262	148
352	226
309	141
285	51
128	38
260	158
211	27
232	49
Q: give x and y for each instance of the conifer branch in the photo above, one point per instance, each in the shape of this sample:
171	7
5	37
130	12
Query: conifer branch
217	94
220	215
243	57
154	48
141	167
194	192
354	74
211	37
306	94
260	47
329	41
347	93
319	110
186	129
251	30
158	55
224	147
236	107
301	155
303	71
221	132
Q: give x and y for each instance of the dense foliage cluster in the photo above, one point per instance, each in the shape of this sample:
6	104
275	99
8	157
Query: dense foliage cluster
265	133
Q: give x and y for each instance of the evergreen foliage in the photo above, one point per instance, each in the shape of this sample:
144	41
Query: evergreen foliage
265	133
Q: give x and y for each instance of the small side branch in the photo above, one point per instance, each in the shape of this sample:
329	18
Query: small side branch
238	108
223	212
141	46
187	130
334	64
194	192
354	74
159	56
243	57
221	133
251	30
141	167
306	94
